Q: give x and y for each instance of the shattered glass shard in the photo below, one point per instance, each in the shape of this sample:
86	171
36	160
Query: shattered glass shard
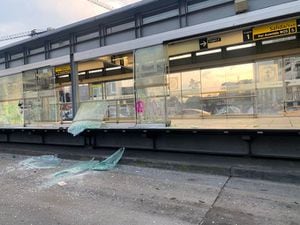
82	167
41	162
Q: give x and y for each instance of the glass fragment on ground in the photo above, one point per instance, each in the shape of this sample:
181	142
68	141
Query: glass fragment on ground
41	162
82	167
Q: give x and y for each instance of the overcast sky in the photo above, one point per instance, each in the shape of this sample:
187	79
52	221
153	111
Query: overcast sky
18	16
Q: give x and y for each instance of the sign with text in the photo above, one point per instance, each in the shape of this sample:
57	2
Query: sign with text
262	32
275	30
62	70
221	40
247	35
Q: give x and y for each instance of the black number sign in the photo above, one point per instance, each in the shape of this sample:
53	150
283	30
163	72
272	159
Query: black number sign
247	35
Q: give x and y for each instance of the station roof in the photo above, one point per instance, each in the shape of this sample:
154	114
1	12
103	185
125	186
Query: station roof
108	18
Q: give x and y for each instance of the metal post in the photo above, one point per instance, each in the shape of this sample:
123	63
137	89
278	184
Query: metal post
74	76
102	35
138	26
182	5
25	55
7	59
47	48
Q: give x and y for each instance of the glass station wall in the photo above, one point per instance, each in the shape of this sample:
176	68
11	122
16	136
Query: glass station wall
291	69
28	98
109	78
11	98
151	85
63	91
40	103
118	94
212	92
139	98
262	88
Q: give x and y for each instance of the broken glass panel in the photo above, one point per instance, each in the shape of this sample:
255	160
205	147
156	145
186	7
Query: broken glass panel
90	115
82	167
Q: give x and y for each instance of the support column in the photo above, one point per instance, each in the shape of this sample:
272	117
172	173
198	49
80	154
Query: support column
74	76
25	55
7	59
47	47
138	26
102	35
182	4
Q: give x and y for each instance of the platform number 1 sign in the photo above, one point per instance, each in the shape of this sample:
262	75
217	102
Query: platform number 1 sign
247	35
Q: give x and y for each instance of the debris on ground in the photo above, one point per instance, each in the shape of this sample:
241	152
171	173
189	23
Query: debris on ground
79	169
41	162
62	183
106	164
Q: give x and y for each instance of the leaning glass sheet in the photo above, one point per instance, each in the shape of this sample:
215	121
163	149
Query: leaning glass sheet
90	115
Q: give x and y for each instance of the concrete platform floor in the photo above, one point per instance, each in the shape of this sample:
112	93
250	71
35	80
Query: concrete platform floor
271	122
238	123
131	195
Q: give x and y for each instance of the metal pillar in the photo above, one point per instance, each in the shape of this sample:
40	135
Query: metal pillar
138	26
182	4
7	59
25	55
74	76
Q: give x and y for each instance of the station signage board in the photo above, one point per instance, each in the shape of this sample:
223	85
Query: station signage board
275	30
267	31
62	70
225	39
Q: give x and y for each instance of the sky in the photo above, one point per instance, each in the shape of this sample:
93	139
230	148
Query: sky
17	16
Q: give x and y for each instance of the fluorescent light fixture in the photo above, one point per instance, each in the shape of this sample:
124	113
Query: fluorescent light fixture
180	57
267	42
64	76
231	48
218	50
95	71
83	85
113	68
81	73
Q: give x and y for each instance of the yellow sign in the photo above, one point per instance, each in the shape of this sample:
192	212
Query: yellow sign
275	30
62	70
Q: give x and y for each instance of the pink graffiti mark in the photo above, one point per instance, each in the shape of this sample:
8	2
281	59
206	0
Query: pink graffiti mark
139	106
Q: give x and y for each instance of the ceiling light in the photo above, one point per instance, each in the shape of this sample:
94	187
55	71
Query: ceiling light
279	40
180	57
95	71
113	68
64	76
231	48
218	50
